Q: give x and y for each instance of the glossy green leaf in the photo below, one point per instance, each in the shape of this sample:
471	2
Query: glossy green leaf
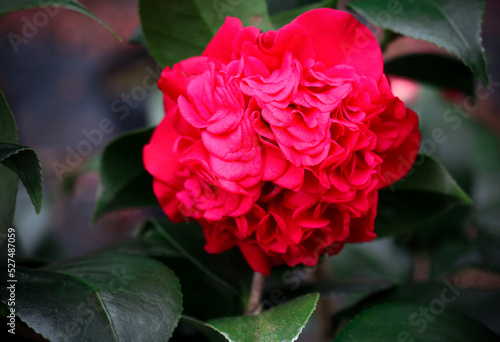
24	162
106	296
8	6
8	179
179	29
282	323
426	192
283	18
452	24
414	322
125	183
437	70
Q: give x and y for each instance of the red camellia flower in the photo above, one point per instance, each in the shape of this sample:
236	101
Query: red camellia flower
278	142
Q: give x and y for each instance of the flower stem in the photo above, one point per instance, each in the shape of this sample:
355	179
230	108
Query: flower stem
254	307
325	308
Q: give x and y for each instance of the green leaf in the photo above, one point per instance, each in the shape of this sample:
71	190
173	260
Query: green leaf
437	70
426	192
212	300
179	29
24	162
378	261
283	323
175	234
147	247
124	180
452	24
8	179
478	304
407	322
210	333
8	6
428	175
106	296
223	275
283	18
